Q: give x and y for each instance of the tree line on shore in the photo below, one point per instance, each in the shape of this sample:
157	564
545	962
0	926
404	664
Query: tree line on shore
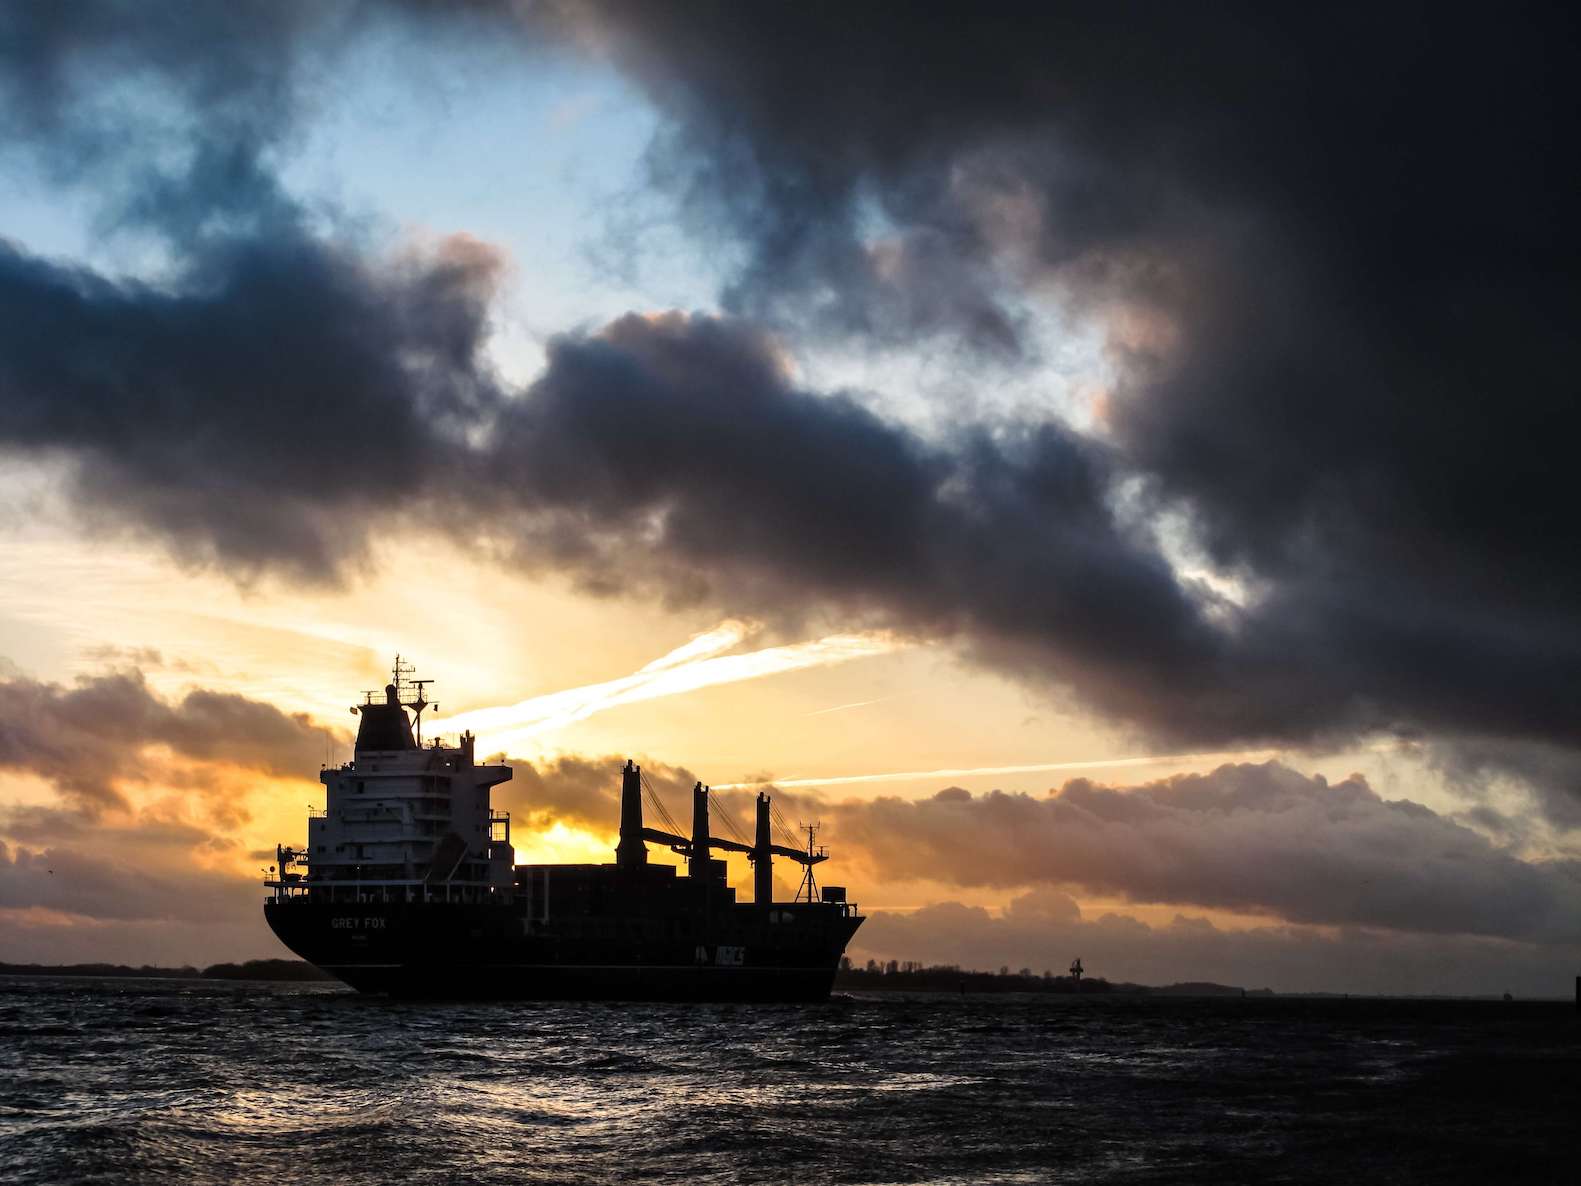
248	970
912	976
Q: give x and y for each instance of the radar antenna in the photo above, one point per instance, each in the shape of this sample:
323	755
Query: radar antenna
411	693
809	886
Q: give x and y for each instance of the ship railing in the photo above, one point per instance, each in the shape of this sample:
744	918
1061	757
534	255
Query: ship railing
802	906
347	893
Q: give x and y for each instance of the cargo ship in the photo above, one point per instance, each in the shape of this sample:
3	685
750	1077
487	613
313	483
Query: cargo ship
408	886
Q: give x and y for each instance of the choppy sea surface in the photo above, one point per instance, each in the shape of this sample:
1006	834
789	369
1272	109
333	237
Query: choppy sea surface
133	1081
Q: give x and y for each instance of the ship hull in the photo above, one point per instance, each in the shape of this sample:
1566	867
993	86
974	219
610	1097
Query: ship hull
611	982
484	951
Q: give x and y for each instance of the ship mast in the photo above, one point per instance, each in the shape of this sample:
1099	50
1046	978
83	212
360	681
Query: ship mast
809	886
410	693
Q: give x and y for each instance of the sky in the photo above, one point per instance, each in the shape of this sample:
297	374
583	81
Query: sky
1109	464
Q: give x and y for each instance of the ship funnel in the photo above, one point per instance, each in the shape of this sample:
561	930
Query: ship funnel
631	852
383	726
697	863
762	856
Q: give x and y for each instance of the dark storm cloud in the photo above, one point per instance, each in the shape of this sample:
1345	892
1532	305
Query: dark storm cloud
176	117
1338	258
1331	249
87	738
674	452
1471	764
278	393
265	414
165	111
1259	839
872	158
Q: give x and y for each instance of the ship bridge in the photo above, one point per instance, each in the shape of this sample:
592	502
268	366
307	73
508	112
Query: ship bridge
402	821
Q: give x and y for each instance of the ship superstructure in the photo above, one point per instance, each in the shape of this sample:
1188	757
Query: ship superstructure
403	821
407	884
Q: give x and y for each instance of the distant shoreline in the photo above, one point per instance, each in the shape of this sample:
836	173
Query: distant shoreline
908	980
914	977
920	980
271	969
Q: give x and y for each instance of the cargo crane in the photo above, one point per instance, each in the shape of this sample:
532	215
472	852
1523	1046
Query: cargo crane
631	851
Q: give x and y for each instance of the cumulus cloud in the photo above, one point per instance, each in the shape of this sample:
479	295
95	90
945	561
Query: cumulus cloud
1260	839
139	858
90	738
100	887
584	792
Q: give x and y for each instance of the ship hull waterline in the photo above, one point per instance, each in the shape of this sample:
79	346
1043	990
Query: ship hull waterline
445	951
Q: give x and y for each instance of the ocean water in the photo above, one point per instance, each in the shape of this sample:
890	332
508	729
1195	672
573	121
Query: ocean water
131	1081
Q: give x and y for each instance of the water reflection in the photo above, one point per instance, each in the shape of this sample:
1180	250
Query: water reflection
170	1081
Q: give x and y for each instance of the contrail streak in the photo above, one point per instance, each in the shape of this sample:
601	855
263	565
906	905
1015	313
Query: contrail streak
696	664
969	771
729	633
854	704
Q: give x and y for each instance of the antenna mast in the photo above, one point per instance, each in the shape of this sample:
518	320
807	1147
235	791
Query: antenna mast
410	693
809	886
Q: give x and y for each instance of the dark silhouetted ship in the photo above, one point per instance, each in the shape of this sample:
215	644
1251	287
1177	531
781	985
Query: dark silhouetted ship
407	885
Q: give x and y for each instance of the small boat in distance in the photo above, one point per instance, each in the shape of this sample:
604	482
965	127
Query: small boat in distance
407	885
